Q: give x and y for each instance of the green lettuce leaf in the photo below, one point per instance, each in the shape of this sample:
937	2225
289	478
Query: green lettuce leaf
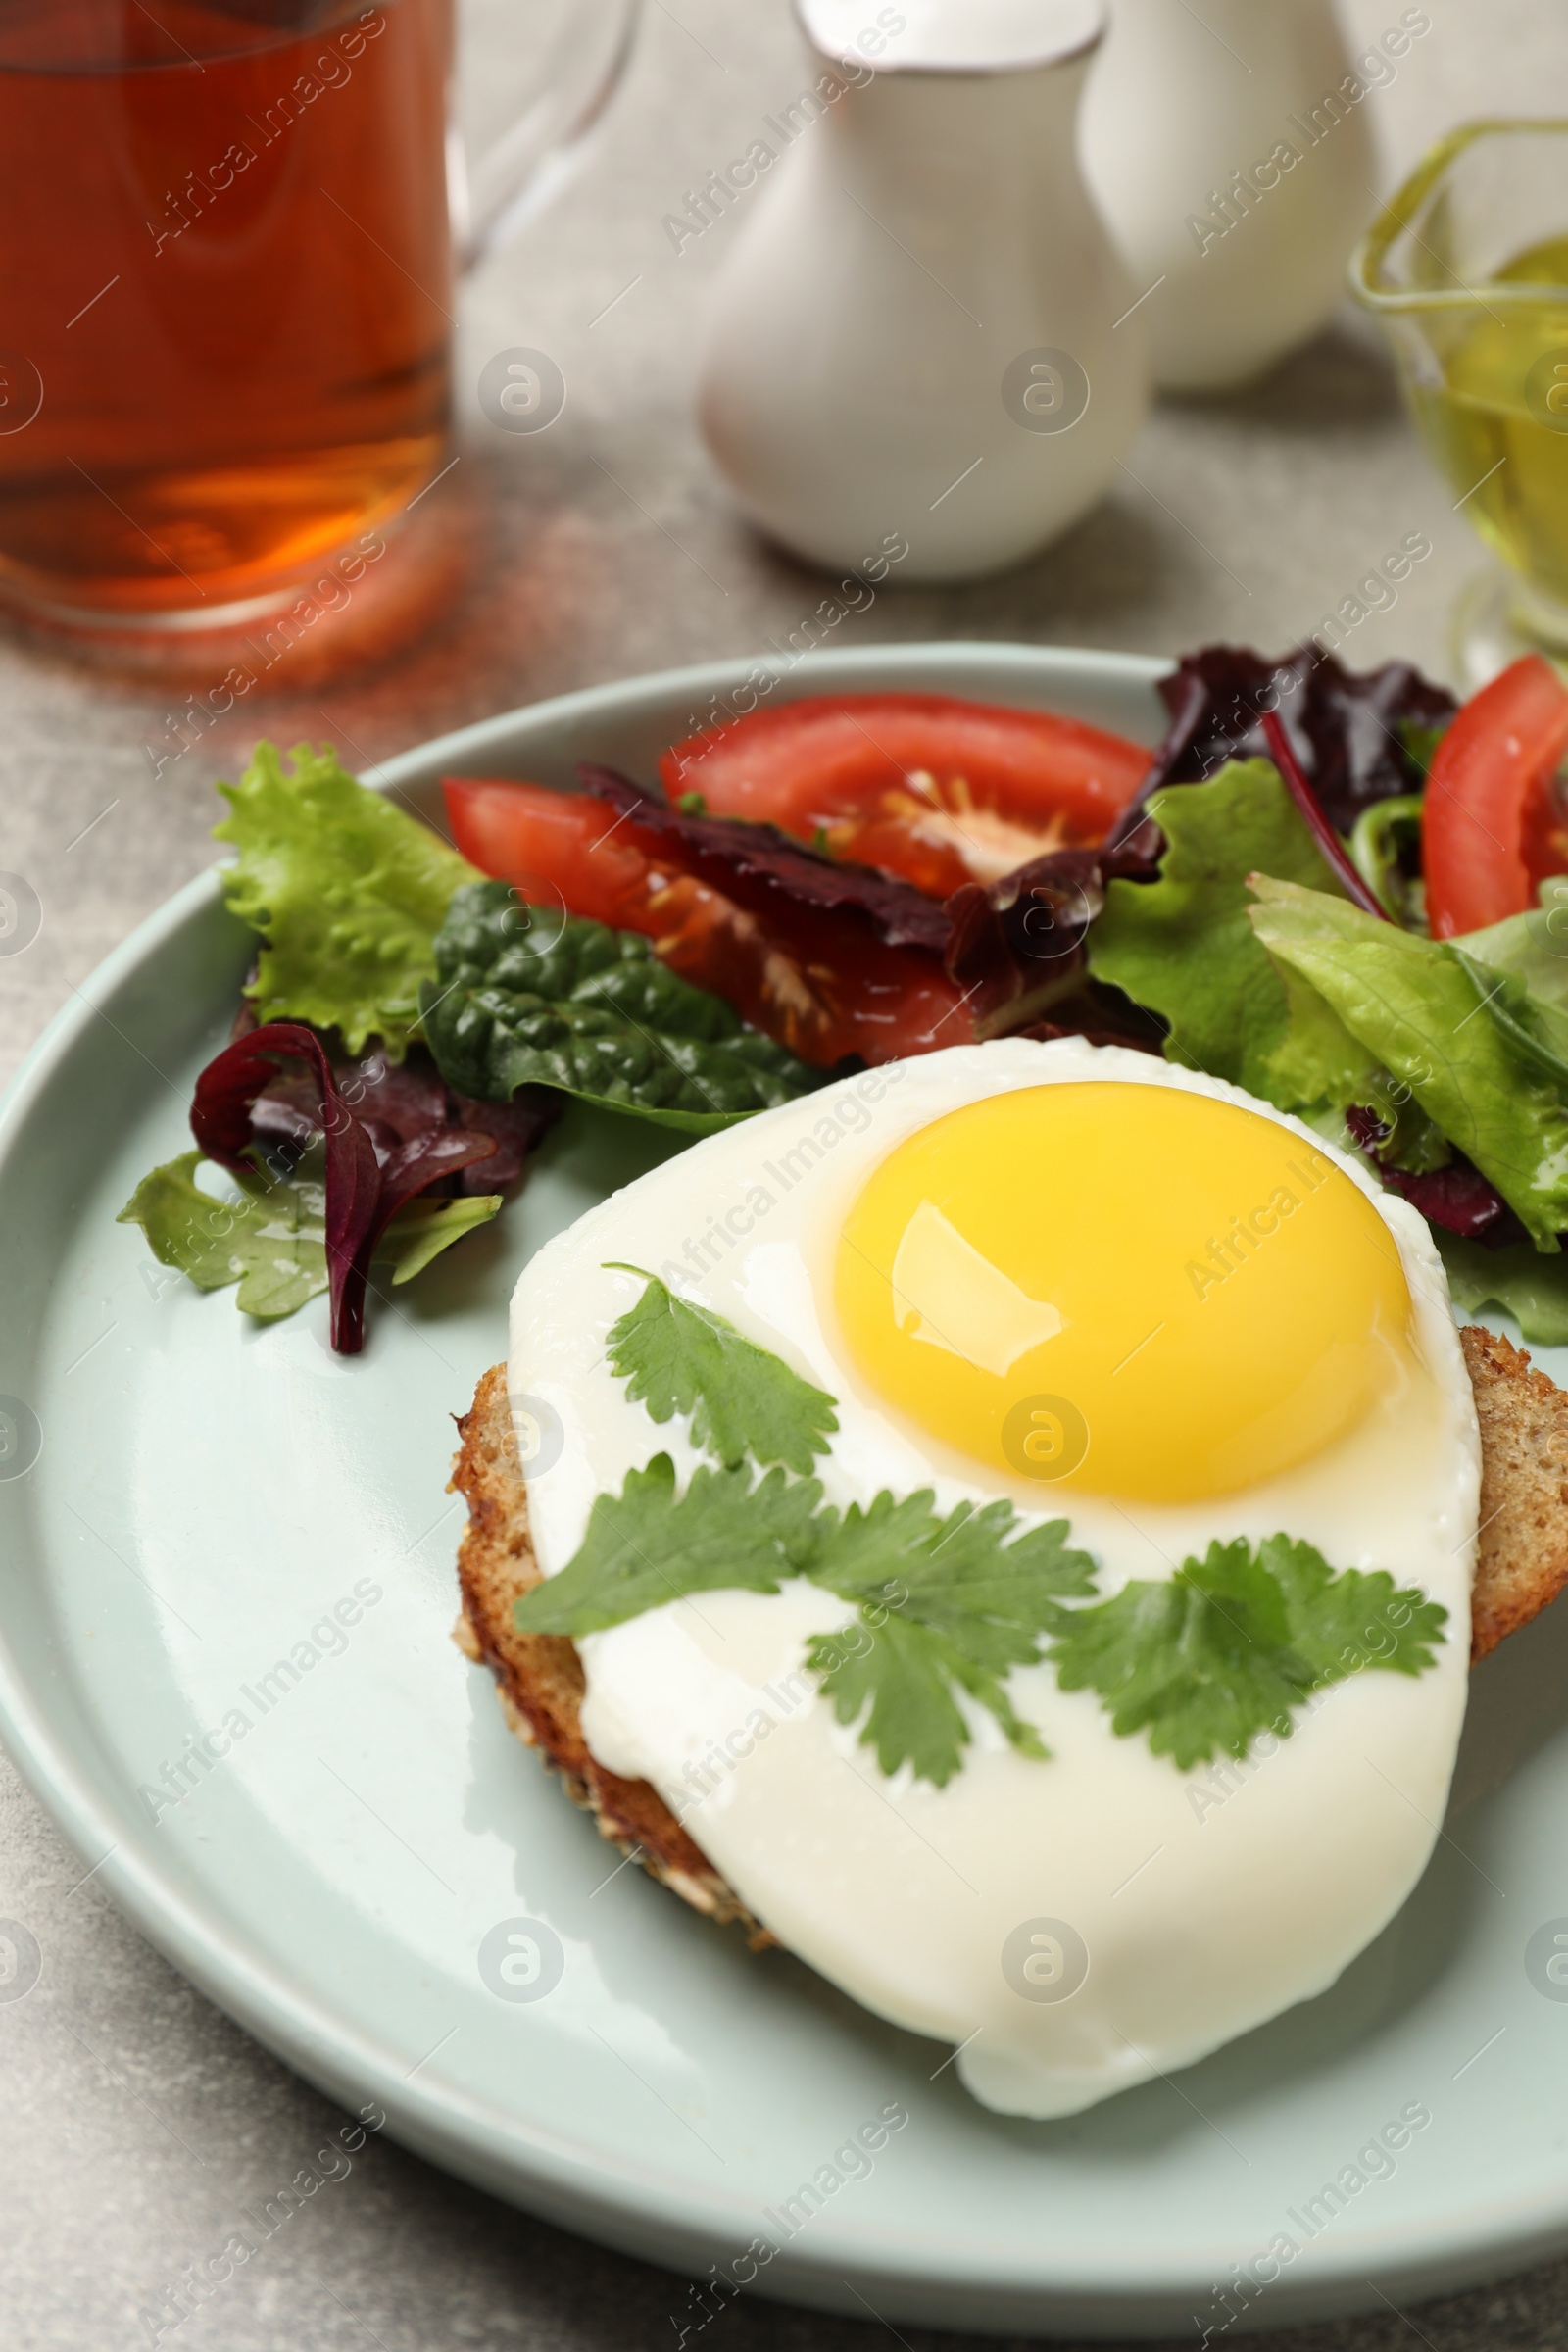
1532	950
1381	834
742	1398
346	891
1423	1009
422	1228
271	1240
1231	1646
593	1013
1184	947
1526	1285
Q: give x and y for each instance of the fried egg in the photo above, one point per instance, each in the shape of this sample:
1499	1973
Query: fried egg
1109	1290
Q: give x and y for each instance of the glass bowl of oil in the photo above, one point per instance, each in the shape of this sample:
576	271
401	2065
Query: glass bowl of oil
1467	268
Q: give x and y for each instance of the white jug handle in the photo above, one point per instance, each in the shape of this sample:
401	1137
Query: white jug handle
491	193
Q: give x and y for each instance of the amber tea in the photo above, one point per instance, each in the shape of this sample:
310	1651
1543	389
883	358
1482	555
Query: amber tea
224	293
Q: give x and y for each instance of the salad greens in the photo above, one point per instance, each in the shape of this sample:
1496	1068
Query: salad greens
1466	1049
1533	949
271	1240
1361	737
371	932
593	1012
1446	1062
1525	1284
346	890
946	1606
1385	835
1184	946
1211	927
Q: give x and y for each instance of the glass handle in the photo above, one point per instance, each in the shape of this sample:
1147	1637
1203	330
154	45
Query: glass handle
575	56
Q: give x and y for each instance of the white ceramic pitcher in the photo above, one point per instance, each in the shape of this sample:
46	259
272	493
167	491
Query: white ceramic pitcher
1230	145
915	333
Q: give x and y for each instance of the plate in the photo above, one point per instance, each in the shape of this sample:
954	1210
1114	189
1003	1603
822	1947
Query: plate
225	1595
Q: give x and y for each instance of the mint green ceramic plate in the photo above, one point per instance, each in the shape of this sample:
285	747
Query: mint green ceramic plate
344	1877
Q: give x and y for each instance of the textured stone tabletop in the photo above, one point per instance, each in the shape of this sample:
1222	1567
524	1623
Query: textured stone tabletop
136	2117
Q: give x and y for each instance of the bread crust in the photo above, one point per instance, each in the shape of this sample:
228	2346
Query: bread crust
1522	1562
539	1677
1521	1568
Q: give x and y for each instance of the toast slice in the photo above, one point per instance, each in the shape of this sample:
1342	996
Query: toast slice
1523	1554
539	1677
1522	1566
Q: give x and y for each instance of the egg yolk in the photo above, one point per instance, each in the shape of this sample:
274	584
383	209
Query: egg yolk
1126	1288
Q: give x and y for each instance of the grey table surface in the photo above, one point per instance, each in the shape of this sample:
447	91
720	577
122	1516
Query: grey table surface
136	2116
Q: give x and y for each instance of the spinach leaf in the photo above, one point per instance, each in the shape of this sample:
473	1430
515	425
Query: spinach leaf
524	998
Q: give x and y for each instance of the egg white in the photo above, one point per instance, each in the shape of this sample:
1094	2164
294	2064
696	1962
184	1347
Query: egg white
1206	1901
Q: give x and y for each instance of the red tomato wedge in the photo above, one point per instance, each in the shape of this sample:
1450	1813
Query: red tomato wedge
821	984
1491	829
941	791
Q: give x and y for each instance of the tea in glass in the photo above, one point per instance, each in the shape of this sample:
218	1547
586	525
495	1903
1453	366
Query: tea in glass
226	287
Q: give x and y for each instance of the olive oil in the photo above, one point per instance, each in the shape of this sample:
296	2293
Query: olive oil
1492	398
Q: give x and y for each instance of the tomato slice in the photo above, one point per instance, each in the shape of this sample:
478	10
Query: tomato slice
821	985
939	791
1488	830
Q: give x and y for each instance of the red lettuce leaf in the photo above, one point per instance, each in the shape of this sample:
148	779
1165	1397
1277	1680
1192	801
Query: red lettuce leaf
1457	1197
403	1101
1016	945
363	1190
756	866
1344	728
399	1101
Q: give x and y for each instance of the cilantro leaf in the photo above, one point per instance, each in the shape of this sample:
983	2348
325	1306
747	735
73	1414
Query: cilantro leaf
272	1239
593	1013
347	889
1344	1621
742	1398
1233	1643
1184	947
900	1679
945	1606
646	1545
942	1602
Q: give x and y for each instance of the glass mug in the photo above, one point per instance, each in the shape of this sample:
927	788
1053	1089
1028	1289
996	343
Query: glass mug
226	292
1467	268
